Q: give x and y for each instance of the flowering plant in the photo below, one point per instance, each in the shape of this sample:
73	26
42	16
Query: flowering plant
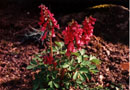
48	22
64	65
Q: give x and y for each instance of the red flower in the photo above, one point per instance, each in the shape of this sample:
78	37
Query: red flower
92	20
49	60
72	35
55	64
44	36
88	28
75	36
47	21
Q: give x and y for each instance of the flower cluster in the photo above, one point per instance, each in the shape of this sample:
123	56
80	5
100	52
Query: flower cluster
49	60
88	28
76	36
47	22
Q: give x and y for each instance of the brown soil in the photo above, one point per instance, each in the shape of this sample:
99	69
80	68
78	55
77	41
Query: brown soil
15	56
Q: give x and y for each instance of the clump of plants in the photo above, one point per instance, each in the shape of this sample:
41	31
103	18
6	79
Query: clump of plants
64	65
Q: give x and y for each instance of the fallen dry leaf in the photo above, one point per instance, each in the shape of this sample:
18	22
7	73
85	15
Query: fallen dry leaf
125	66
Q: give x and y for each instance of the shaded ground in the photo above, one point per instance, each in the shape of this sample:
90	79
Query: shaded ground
14	56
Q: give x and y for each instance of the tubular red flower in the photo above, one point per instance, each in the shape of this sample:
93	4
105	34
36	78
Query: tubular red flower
55	64
53	33
47	21
49	60
92	20
75	36
44	36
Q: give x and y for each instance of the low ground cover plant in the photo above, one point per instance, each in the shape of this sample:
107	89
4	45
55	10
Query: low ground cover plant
64	64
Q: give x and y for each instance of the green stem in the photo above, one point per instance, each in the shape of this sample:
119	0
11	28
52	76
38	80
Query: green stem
51	45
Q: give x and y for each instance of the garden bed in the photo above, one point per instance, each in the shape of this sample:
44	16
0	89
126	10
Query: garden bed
15	56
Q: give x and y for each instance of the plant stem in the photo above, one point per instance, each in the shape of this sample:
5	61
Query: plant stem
62	76
51	45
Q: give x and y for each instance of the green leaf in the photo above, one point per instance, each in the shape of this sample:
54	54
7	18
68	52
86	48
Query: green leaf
60	44
79	58
94	71
67	85
50	89
37	57
88	76
72	60
41	63
92	67
84	70
44	52
65	66
81	87
42	89
57	43
85	63
33	62
83	78
96	61
85	56
75	53
75	75
54	49
92	57
40	59
70	69
56	85
77	66
34	58
48	51
39	66
36	84
50	84
63	89
31	66
63	52
87	88
78	81
82	51
69	75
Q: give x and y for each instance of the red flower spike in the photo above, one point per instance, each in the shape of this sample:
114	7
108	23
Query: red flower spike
53	33
92	20
75	36
49	60
44	36
47	21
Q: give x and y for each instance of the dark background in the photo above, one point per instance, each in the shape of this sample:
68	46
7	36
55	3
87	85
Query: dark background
62	6
112	21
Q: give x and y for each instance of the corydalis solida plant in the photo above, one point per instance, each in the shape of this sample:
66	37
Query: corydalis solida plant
75	35
63	69
48	24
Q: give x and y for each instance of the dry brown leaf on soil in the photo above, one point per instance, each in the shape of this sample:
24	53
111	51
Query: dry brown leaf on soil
125	66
